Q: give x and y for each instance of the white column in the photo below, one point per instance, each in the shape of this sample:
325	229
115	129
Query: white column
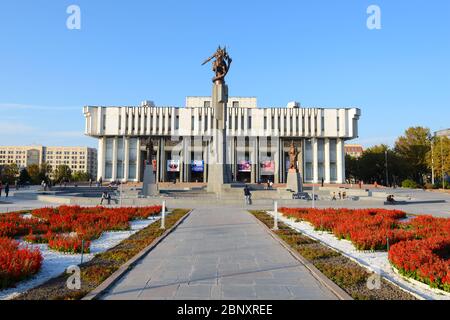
101	158
315	160
114	160
340	161
138	160
126	148
327	160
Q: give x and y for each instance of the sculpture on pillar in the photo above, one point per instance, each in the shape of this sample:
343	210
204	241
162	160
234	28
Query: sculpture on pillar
293	158
221	65
149	187
149	148
294	179
219	172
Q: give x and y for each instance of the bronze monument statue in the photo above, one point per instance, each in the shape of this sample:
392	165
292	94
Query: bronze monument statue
221	65
293	157
149	148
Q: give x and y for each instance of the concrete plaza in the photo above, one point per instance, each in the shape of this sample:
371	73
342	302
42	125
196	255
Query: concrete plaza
219	253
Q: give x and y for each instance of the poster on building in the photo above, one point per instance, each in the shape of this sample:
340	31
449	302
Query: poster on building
173	165
267	167
197	166
244	166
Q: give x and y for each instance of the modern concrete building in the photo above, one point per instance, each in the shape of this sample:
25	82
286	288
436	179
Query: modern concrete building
443	133
79	159
258	140
354	150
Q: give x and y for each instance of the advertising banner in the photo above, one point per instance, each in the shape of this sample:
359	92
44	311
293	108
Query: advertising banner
197	166
173	165
267	167
244	166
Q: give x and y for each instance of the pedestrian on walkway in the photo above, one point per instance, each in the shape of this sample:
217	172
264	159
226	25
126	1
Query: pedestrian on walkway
248	195
1	188
7	190
323	182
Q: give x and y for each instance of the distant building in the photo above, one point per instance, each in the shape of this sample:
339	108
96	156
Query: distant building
78	159
354	150
443	133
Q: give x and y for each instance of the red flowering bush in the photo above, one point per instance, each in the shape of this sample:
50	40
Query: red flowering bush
17	263
69	244
368	229
426	260
419	248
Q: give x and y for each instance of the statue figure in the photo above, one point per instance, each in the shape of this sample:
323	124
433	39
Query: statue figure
149	148
293	157
221	65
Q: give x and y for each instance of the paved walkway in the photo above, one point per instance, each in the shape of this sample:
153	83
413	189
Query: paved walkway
219	253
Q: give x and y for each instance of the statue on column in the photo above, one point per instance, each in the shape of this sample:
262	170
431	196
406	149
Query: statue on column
293	158
221	65
149	148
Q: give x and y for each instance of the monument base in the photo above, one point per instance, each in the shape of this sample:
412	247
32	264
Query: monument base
294	181
149	187
217	177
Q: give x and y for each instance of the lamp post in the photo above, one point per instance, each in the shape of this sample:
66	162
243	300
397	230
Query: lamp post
386	165
442	159
432	162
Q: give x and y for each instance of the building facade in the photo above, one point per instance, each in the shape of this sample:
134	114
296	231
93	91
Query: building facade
443	133
258	140
79	159
354	150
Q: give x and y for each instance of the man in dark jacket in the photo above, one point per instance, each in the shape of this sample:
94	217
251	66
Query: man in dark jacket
7	189
248	195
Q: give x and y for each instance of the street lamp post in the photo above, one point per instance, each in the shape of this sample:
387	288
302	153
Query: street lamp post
432	162
442	159
386	164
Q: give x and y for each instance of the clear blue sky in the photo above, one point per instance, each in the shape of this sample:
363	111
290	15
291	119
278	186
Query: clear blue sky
317	52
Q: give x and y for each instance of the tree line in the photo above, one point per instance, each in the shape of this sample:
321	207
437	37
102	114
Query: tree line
35	174
410	163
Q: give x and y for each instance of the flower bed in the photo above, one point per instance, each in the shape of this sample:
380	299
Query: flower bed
17	263
64	229
419	249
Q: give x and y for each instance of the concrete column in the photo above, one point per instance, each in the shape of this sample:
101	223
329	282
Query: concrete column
126	148
327	160
114	159
138	160
340	161
315	160
101	158
163	161
158	162
253	159
276	157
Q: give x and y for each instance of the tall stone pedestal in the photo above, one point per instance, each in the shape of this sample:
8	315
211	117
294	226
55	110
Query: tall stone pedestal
218	171
149	187
294	181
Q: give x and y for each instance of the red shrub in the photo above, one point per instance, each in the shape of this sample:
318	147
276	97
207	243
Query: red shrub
17	263
69	244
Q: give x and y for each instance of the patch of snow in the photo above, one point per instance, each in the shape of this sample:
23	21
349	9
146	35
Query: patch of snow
55	263
376	262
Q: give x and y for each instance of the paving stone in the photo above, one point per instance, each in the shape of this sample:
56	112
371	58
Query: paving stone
219	253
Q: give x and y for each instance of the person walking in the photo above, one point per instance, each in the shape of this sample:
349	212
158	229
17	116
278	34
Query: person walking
248	195
1	188
7	190
323	182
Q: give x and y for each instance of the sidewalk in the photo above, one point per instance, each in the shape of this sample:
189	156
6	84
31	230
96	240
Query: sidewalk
219	253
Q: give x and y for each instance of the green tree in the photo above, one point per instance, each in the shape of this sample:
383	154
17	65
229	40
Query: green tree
39	173
62	173
24	176
81	176
352	168
413	148
439	156
9	173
